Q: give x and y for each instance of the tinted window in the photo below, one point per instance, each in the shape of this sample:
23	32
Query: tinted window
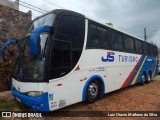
46	20
104	37
117	41
68	45
138	46
129	44
61	54
151	50
61	58
155	51
97	36
145	48
94	39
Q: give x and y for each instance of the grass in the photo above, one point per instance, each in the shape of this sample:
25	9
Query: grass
13	105
6	105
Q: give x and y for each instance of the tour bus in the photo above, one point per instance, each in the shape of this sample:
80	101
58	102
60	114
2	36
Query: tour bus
65	58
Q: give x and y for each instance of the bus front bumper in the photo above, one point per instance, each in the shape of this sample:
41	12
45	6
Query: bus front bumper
37	103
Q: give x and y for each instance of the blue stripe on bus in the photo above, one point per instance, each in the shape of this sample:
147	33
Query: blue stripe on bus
146	67
33	102
87	83
136	71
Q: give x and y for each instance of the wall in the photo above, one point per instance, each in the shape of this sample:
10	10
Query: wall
12	26
7	3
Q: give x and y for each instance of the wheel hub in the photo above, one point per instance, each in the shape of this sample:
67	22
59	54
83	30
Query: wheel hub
143	78
93	90
149	77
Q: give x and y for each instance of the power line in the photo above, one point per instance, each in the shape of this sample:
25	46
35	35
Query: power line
34	6
30	8
154	35
34	15
53	4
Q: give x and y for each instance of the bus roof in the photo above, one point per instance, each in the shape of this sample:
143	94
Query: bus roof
72	12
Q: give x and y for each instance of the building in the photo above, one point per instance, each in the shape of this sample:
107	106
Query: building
12	26
7	3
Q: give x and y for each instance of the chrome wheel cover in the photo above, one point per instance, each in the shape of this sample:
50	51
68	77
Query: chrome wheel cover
93	90
149	77
143	78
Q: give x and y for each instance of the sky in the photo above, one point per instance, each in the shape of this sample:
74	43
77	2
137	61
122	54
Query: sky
130	16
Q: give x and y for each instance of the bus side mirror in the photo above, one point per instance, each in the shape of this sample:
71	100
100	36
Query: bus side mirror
7	44
34	38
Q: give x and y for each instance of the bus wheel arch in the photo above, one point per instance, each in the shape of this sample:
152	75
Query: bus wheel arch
91	81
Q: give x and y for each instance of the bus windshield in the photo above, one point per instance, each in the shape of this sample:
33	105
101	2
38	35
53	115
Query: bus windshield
29	66
46	20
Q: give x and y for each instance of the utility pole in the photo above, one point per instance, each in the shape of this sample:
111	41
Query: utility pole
145	34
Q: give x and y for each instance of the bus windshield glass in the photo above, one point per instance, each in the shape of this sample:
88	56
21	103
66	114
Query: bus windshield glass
29	66
46	20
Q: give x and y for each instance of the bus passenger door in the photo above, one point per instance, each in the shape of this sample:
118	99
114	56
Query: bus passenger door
60	59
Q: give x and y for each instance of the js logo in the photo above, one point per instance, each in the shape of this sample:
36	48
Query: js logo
109	57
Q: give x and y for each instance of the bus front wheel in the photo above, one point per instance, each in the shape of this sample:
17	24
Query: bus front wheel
93	91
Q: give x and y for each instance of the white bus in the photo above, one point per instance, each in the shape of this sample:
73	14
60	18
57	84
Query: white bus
66	58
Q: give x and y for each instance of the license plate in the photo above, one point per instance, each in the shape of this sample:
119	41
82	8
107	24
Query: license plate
19	100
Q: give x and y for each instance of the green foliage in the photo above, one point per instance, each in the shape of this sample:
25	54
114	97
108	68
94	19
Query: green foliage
13	106
110	24
6	105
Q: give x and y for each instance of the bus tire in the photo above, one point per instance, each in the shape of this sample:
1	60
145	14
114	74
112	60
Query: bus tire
93	91
143	79
149	77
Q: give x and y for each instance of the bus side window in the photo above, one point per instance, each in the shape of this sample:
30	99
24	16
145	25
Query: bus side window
104	37
138	46
155	51
97	36
94	36
117	41
145	48
151	50
129	44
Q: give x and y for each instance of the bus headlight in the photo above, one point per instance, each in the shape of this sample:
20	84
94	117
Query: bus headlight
34	93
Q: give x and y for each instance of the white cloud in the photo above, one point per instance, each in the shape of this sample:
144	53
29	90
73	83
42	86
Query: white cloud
130	16
156	38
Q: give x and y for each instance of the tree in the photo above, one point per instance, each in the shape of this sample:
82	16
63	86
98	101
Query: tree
110	24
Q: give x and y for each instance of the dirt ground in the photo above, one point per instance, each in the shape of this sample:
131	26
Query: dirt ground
133	98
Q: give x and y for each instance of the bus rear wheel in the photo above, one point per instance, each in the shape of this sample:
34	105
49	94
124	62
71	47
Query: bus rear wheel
93	91
143	79
149	77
